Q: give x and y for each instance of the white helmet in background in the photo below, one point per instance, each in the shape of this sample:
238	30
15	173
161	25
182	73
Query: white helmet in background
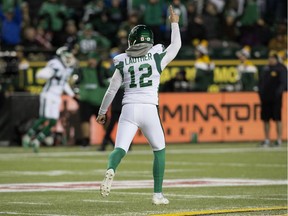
66	56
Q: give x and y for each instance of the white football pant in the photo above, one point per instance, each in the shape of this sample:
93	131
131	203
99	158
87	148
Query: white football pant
49	105
145	117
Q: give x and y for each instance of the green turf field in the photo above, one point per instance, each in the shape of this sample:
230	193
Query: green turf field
200	179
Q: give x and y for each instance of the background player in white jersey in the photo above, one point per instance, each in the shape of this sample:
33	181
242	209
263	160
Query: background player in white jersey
57	73
139	70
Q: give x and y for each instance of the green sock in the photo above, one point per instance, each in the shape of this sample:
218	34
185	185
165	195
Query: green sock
158	170
35	127
46	130
115	158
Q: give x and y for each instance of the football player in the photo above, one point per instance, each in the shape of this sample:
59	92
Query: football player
139	70
56	72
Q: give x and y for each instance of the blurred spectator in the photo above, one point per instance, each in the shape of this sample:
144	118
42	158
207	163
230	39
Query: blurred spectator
110	15
116	12
124	30
23	66
250	15
204	68
153	16
177	84
220	4
113	16
91	41
195	28
271	87
258	23
230	16
211	20
122	40
262	33
199	6
276	11
23	62
69	36
279	41
132	21
248	22
52	15
43	38
11	19
8	4
34	7
34	42
92	86
26	20
71	40
110	29
92	11
247	72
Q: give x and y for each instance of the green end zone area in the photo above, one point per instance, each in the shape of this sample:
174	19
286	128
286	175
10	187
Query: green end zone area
201	179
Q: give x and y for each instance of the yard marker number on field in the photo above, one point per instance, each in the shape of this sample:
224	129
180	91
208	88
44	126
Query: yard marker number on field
212	212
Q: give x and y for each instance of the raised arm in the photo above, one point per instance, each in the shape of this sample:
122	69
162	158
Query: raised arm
45	73
175	45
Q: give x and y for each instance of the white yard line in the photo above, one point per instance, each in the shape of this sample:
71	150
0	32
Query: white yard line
30	203
87	172
186	165
133	184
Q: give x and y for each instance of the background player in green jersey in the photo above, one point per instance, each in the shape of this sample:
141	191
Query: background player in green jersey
93	84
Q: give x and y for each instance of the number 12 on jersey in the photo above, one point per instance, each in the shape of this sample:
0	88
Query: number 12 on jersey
143	82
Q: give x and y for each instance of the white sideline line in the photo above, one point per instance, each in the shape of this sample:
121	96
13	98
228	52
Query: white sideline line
133	184
144	152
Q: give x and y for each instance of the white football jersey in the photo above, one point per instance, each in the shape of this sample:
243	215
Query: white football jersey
141	75
57	76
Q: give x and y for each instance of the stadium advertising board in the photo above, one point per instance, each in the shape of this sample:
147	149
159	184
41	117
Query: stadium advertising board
209	117
225	73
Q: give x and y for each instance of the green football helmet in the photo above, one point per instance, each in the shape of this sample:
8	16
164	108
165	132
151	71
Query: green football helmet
140	34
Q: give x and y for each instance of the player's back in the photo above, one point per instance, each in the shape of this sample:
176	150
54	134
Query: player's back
141	76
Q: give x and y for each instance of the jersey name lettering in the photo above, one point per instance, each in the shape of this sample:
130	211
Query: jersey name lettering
131	60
